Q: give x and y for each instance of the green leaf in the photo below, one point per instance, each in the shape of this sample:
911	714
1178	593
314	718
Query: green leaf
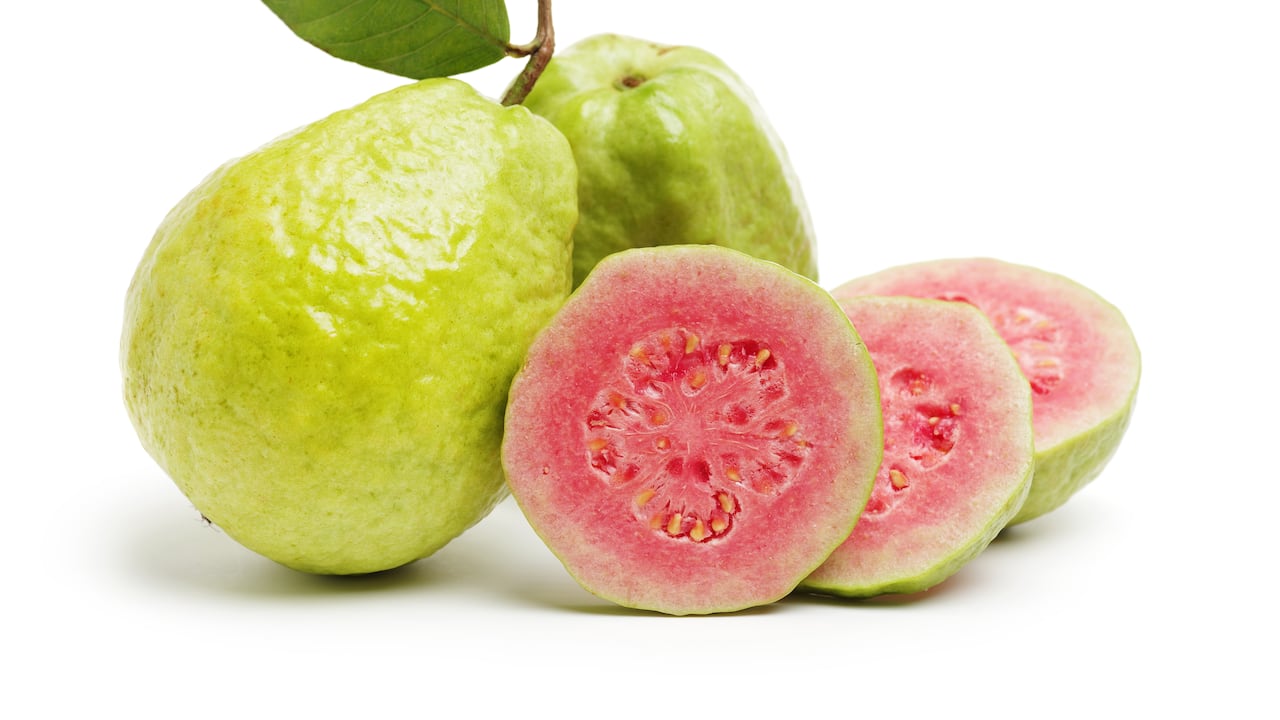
414	38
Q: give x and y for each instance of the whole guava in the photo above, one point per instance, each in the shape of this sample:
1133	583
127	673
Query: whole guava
319	339
672	148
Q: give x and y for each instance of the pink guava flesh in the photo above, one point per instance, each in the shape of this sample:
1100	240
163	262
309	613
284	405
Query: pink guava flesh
676	436
1075	349
958	447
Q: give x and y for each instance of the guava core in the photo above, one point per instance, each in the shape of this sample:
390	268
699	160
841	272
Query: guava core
958	447
319	339
672	148
695	431
1074	347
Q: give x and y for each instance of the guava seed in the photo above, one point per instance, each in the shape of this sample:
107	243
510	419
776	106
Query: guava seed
692	430
930	423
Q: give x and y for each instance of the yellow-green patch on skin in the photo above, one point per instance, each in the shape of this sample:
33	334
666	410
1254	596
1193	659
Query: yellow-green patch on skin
672	148
319	340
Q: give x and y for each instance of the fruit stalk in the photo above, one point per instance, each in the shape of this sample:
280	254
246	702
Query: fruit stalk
538	51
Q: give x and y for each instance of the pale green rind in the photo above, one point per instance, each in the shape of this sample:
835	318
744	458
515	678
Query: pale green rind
687	156
319	340
1062	470
944	569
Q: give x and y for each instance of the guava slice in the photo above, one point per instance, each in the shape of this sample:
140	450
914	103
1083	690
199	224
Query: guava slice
1075	348
695	431
958	447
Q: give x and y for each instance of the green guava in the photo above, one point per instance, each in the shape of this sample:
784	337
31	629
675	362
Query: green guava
319	339
1074	347
672	148
958	447
695	431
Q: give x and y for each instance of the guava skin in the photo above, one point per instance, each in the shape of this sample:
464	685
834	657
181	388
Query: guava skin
319	339
672	148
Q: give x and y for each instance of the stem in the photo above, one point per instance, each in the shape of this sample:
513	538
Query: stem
539	52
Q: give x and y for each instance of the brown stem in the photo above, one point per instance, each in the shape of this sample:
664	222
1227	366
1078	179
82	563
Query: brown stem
539	52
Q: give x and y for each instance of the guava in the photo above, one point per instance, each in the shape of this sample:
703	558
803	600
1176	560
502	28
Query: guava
958	447
695	431
318	341
672	148
1075	348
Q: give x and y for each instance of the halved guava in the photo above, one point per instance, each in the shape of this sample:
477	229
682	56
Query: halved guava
958	447
1074	347
695	431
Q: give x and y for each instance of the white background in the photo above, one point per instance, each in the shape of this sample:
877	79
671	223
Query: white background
1134	146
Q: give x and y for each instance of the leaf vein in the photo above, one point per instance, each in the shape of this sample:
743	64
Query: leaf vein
384	33
321	18
463	23
426	43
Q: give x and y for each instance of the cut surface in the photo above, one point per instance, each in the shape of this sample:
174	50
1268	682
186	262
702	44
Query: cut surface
958	447
674	437
692	428
1075	349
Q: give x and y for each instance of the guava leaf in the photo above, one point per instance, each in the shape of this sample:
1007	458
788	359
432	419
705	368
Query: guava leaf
413	38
